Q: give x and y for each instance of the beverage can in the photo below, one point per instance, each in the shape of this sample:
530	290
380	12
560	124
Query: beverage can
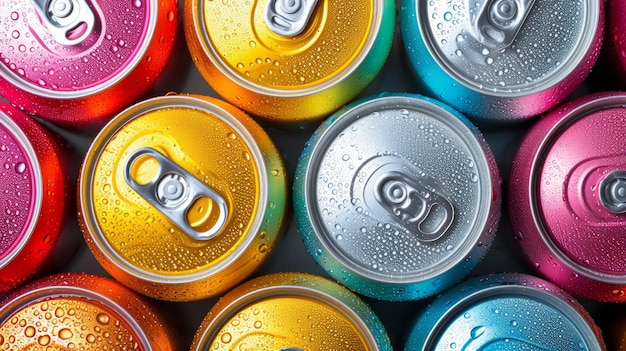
397	196
568	193
505	311
181	197
502	60
77	62
291	62
291	312
78	311
34	205
615	41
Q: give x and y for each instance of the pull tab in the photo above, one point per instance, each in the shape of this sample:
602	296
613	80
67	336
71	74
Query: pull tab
288	17
69	21
196	209
613	192
408	197
499	21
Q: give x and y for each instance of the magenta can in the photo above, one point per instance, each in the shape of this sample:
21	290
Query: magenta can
615	39
568	196
77	61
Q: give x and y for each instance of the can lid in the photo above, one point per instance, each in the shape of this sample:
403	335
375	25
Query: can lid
73	48
174	189
287	47
20	186
509	47
399	188
580	186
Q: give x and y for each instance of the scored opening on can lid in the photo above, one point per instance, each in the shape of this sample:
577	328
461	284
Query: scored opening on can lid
398	189
21	188
509	47
103	44
166	161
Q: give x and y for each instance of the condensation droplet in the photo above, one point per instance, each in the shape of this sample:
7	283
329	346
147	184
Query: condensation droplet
477	331
226	338
103	318
20	167
65	334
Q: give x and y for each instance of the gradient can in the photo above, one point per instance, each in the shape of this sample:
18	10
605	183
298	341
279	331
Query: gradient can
77	311
291	62
34	205
76	61
568	196
397	196
505	311
182	197
502	60
291	312
615	41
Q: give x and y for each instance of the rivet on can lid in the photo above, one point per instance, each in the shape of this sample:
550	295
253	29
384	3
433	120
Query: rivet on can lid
613	192
500	20
288	17
169	188
69	21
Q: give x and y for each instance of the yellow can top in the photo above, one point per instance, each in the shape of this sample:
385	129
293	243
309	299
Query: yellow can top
175	188
334	41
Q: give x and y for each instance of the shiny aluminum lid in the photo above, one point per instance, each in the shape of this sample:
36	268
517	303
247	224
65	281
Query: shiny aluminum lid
398	188
509	47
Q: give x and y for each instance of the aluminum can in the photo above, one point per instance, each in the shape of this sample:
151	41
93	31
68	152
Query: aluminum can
397	196
182	197
78	62
34	205
502	60
291	62
77	311
291	312
615	41
505	311
567	194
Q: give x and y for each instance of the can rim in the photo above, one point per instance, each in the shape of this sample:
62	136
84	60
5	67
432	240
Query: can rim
521	291
576	56
432	109
110	130
28	148
40	294
225	70
268	292
35	89
578	112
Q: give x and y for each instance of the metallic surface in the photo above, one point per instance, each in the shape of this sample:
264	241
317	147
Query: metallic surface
504	312
397	196
101	67
291	312
539	54
290	79
139	240
565	164
81	312
614	47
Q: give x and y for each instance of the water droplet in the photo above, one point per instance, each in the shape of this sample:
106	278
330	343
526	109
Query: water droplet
477	331
44	340
15	34
489	60
252	43
459	52
514	323
345	157
226	338
263	248
20	167
65	334
103	318
447	16
240	65
137	3
171	16
15	16
91	338
258	324
29	331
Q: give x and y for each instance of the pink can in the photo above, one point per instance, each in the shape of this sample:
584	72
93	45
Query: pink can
568	196
615	42
77	61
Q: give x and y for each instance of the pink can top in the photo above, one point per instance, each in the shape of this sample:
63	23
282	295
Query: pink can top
72	48
19	197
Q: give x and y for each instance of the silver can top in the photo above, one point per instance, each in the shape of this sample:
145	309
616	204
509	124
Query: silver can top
509	46
399	187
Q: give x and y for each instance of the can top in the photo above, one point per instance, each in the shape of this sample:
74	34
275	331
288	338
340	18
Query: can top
173	187
516	312
579	193
72	48
290	312
509	47
20	186
398	188
287	47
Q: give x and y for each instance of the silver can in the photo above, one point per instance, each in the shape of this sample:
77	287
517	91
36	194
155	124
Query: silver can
397	196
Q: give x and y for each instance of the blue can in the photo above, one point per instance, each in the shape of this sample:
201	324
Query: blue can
505	311
397	196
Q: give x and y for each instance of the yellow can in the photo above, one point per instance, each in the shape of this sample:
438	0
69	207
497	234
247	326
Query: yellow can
289	61
181	197
291	312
